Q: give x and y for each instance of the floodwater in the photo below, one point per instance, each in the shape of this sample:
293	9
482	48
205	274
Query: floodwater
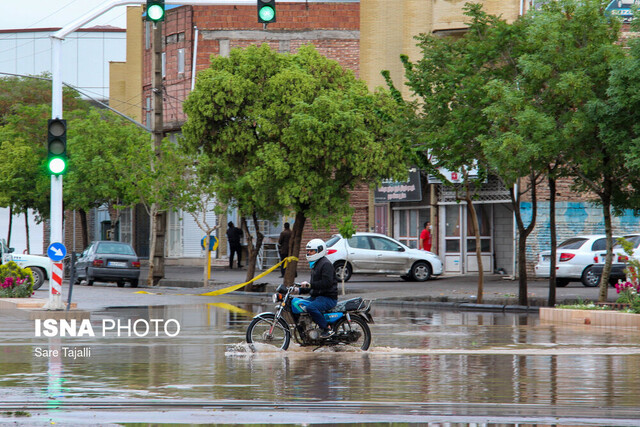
424	365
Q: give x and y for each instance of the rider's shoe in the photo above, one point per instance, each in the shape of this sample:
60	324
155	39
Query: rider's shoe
326	333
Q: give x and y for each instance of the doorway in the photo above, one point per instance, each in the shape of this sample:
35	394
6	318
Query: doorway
459	238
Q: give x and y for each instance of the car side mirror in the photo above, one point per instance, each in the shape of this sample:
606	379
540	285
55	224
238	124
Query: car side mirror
400	249
12	250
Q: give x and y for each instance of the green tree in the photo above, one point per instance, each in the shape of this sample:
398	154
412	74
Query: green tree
156	182
25	106
445	123
98	145
290	132
552	111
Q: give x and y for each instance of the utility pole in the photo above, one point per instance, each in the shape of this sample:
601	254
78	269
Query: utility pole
160	220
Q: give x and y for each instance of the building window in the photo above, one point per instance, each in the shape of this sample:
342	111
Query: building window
181	61
164	64
409	224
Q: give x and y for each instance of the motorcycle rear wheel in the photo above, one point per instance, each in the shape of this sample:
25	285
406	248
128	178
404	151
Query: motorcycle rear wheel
357	335
258	331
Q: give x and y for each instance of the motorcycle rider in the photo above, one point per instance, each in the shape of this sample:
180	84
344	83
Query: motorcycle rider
323	285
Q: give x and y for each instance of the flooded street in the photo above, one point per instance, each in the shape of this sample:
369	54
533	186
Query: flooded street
424	365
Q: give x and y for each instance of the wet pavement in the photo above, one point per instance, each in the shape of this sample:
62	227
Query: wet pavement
170	355
426	365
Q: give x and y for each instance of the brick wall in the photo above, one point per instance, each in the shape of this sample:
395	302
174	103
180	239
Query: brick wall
332	27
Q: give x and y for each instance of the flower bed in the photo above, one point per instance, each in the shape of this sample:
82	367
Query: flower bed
15	282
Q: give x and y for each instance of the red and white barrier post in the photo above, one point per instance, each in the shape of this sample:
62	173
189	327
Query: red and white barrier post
55	287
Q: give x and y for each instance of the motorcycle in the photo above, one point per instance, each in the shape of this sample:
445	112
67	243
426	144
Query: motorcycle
349	320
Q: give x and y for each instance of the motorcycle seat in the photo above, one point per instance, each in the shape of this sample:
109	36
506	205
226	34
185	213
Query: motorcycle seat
348	305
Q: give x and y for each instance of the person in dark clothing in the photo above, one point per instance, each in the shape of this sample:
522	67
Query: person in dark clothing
323	286
234	235
283	245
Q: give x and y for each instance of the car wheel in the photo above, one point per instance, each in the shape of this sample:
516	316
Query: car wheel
134	283
561	283
120	283
38	277
421	271
88	278
590	278
342	268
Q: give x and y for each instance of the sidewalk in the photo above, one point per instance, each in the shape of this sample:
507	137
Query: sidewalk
452	289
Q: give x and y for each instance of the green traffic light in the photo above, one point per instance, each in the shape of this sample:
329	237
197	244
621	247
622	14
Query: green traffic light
57	165
267	13
155	12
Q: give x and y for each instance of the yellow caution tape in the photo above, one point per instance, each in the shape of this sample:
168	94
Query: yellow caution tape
236	287
230	307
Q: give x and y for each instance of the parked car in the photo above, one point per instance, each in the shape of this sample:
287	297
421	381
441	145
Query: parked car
108	261
620	258
377	253
575	260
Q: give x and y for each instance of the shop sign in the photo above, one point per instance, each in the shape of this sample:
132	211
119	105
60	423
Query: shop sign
622	9
396	191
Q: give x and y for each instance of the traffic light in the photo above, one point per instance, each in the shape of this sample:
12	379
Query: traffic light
266	11
155	10
57	146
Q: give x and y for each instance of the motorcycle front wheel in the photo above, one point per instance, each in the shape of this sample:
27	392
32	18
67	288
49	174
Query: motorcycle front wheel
258	331
357	334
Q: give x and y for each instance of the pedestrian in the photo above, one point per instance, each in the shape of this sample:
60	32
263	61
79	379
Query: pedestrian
234	234
283	245
424	242
322	285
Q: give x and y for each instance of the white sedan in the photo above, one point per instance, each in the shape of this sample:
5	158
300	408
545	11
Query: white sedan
575	259
374	253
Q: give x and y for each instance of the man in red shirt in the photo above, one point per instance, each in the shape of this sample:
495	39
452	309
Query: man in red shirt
424	242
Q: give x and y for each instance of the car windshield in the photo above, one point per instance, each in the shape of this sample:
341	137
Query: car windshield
574	243
114	248
333	240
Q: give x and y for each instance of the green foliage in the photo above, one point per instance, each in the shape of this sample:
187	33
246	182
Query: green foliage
278	132
25	106
447	122
15	282
102	149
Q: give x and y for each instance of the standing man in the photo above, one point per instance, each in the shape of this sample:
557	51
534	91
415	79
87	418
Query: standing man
234	235
283	245
424	242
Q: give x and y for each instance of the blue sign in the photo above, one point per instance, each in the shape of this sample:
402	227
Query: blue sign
56	251
213	243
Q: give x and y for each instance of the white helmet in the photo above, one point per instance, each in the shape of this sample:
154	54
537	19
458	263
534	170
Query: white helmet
318	246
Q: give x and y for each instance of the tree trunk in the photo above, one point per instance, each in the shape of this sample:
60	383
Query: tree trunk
523	233
474	222
552	229
85	232
253	249
604	279
26	227
10	226
294	247
152	244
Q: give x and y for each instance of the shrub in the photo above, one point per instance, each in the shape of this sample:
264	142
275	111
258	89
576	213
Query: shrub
15	282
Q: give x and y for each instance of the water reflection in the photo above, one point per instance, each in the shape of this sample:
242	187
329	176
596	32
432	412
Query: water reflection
417	356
